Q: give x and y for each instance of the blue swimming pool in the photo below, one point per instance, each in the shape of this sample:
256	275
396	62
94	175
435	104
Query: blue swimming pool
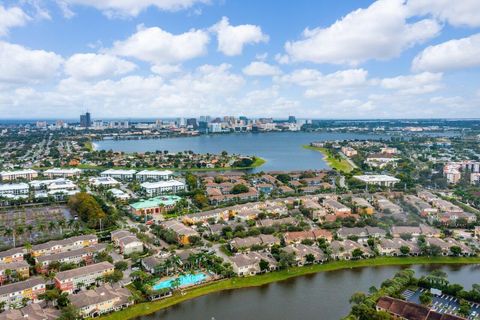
185	281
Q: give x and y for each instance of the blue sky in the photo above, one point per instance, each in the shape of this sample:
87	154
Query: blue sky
166	58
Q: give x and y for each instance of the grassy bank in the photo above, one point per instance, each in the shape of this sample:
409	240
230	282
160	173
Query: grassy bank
258	162
334	163
237	283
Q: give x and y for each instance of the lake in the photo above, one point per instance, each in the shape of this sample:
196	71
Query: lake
281	150
322	296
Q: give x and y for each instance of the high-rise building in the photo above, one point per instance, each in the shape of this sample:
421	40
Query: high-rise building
292	119
192	122
85	120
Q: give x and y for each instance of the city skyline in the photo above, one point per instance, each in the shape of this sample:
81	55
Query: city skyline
165	59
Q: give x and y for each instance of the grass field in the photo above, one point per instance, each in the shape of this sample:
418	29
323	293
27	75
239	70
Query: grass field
237	283
338	164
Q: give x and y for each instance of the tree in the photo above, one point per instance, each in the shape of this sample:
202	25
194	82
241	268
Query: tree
87	208
425	298
121	265
404	250
264	265
358	297
310	258
239	188
357	253
456	250
69	312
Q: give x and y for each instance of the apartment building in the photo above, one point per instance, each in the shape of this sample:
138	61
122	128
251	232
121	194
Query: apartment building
27	174
19	269
154	175
12	255
162	187
71	280
14	190
126	175
62	173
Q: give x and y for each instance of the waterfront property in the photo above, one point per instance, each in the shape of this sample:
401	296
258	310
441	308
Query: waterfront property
34	311
101	300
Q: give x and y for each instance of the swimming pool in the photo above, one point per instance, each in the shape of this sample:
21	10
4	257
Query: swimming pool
185	281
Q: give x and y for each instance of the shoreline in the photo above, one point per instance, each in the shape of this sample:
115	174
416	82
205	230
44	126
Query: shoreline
146	308
340	165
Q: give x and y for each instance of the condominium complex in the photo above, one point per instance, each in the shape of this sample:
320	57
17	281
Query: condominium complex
119	174
15	293
162	187
154	175
64	245
27	174
62	173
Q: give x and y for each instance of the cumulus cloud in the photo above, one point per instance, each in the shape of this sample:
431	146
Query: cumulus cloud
319	84
260	68
91	66
122	8
20	65
456	13
379	32
232	39
160	47
453	54
425	82
10	18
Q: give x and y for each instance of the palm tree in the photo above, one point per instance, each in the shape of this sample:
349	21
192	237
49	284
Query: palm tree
61	224
19	230
52	225
30	231
9	232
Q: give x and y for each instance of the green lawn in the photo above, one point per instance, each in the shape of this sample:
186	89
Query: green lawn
338	164
236	283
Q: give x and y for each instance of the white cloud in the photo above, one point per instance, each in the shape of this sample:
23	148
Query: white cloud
11	17
19	64
260	68
232	39
380	32
456	13
91	66
122	8
425	82
160	47
319	84
166	69
453	54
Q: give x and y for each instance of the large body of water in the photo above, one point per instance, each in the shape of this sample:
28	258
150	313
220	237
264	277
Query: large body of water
321	296
281	150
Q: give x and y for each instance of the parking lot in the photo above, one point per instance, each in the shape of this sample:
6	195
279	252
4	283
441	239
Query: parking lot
442	303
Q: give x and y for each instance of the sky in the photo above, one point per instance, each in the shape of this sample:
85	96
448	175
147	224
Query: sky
329	59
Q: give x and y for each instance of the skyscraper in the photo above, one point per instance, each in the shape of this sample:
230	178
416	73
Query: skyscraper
85	120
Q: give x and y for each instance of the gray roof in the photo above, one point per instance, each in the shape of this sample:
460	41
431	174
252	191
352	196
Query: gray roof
93	268
99	295
19	286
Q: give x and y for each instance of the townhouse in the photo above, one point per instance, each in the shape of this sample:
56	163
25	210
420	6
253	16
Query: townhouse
248	264
101	300
32	311
362	206
215	215
335	207
446	244
19	269
12	255
263	240
182	231
83	255
344	250
126	241
15	293
415	232
26	174
71	280
64	245
314	234
302	252
393	247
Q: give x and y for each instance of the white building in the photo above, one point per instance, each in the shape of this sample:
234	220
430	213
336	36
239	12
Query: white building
154	175
14	190
379	180
119	174
119	194
57	187
27	174
103	182
162	187
62	173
